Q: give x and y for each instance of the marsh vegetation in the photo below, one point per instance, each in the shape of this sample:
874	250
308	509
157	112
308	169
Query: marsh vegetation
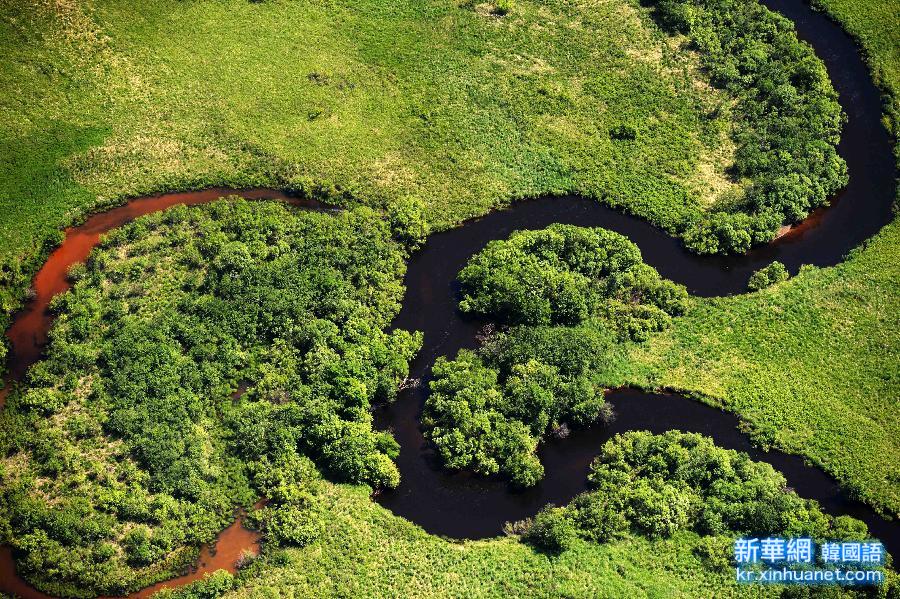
207	357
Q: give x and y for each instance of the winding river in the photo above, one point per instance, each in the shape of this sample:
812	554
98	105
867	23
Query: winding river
464	506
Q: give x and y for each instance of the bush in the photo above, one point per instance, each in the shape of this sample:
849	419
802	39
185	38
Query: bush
464	421
299	522
675	481
503	7
168	314
767	276
551	530
657	485
408	223
562	275
790	119
598	518
623	132
487	411
659	509
137	546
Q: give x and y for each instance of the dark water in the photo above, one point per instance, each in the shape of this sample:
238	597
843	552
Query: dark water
464	506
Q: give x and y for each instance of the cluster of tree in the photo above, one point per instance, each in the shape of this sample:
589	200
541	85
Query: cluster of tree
292	514
487	411
790	119
564	274
211	586
409	224
128	439
767	276
656	485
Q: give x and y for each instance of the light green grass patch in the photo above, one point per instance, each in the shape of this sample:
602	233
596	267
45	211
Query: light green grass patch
109	99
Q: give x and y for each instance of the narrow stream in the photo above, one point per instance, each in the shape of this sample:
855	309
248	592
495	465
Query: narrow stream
461	505
464	506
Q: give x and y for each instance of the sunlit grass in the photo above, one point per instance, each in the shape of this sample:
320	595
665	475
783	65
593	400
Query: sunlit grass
380	99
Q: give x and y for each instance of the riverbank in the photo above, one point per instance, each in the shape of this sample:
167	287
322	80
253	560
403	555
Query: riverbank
864	287
109	101
429	306
848	305
813	364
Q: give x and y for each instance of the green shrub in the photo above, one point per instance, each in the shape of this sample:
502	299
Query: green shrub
552	530
659	509
676	481
299	522
464	420
137	546
503	7
154	453
408	222
658	485
488	410
767	276
789	117
564	274
623	132
598	518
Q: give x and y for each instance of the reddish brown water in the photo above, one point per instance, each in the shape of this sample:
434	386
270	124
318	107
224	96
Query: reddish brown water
28	335
223	554
231	544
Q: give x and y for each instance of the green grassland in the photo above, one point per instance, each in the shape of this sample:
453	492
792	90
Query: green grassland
874	25
466	110
818	355
378	100
813	364
366	551
127	449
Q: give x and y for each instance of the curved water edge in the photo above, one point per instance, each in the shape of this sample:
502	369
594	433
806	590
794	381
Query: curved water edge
466	506
28	333
230	545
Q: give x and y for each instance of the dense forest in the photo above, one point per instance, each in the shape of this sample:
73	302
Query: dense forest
649	494
573	293
789	119
656	485
200	357
209	357
562	275
568	99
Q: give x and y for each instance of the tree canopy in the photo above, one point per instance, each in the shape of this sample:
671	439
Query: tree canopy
789	118
199	355
488	410
564	274
657	485
572	293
